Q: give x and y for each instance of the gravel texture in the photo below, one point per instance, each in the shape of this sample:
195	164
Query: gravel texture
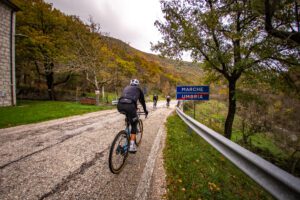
68	158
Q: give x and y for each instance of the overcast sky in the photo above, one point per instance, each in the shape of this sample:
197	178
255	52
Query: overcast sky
131	21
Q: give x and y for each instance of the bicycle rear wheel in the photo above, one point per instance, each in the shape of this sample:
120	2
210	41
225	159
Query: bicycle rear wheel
118	152
139	134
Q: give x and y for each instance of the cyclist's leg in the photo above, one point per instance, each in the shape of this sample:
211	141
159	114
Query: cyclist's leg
133	121
133	118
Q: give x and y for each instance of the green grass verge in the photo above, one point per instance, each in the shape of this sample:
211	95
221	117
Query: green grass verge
264	142
213	114
36	111
109	96
195	170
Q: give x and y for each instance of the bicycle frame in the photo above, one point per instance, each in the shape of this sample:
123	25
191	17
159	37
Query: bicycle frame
122	148
128	125
154	104
128	131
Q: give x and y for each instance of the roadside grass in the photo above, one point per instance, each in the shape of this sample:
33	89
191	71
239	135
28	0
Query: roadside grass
262	142
195	170
213	114
108	98
37	111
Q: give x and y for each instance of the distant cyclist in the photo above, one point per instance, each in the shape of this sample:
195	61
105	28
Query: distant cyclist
168	98
155	99
127	105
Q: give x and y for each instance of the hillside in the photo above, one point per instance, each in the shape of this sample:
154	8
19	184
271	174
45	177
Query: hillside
187	72
61	53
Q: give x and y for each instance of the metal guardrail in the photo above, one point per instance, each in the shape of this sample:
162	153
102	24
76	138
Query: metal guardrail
276	181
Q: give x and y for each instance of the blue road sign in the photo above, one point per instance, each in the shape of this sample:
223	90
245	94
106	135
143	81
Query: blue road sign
192	92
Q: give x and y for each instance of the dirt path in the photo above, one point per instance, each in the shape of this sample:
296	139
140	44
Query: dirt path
68	158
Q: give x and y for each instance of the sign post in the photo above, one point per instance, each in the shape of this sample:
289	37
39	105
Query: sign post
194	109
195	93
192	92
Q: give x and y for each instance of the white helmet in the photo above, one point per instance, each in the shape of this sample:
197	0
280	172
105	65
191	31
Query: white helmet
134	82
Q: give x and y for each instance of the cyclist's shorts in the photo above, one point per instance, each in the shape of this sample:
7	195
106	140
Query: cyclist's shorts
130	111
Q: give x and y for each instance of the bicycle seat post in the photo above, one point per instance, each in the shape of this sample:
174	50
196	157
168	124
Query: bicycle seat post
127	129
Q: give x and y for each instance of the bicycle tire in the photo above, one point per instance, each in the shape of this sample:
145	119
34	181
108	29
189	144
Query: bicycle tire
139	135
118	149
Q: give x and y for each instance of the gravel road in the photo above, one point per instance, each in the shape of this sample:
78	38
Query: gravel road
68	159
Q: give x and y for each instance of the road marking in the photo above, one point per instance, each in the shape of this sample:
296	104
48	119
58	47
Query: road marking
141	192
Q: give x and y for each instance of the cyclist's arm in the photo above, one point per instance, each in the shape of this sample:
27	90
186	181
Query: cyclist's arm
142	100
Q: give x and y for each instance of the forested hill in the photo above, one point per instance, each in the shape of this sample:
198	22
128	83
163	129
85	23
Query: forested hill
182	72
57	52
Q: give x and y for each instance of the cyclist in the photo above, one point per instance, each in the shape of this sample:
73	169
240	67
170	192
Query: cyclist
127	105
168	98
155	99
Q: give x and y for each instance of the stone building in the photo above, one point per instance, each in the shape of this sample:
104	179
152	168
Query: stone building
7	53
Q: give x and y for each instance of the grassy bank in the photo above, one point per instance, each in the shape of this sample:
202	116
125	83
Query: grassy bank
195	170
213	114
36	111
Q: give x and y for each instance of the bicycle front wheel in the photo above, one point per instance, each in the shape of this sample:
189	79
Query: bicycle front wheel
139	133
118	152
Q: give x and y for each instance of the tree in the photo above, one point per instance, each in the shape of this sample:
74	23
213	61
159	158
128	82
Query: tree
282	23
44	44
223	33
124	69
94	58
284	15
253	115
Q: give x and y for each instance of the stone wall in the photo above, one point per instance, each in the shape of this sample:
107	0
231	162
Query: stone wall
7	71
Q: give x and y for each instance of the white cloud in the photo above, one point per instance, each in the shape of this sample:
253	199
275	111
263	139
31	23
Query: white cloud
132	21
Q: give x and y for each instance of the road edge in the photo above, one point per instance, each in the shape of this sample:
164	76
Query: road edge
144	186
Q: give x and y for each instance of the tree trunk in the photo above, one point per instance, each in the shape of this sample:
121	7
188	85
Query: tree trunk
97	92
270	7
49	78
231	109
103	93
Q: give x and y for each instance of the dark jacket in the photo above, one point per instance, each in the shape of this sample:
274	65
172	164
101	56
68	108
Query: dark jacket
133	93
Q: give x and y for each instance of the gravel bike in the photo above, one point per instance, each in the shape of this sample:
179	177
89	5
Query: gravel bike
154	104
168	104
120	146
